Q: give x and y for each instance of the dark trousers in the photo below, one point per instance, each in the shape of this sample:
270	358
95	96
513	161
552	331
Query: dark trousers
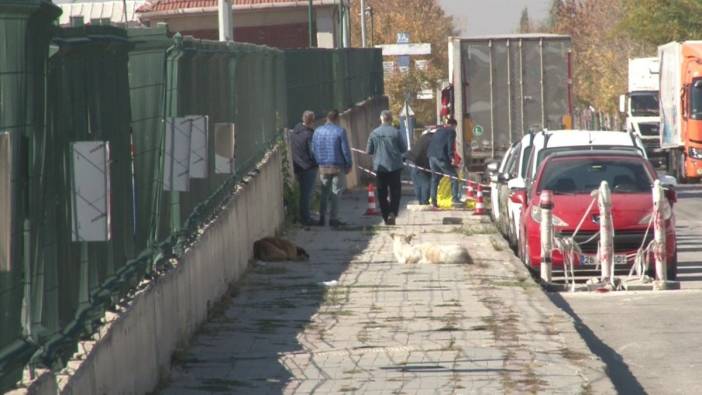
306	179
389	183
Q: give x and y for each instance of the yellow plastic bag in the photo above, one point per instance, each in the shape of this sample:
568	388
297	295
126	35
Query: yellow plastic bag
443	193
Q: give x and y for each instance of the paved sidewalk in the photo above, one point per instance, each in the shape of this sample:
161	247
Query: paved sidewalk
379	327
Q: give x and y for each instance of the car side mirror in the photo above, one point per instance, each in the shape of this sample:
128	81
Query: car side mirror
503	177
518	196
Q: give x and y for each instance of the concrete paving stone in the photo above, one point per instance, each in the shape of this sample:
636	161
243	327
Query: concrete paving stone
385	327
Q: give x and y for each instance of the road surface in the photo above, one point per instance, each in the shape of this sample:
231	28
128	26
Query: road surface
651	340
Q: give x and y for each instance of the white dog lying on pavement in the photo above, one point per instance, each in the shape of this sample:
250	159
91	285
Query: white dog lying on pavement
407	253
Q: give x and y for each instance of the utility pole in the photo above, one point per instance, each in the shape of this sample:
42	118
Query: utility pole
363	23
226	29
310	27
372	30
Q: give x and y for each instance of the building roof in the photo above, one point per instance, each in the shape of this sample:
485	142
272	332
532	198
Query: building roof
158	6
89	10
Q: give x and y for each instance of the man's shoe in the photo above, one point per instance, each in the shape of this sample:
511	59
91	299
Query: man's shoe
458	205
336	223
390	220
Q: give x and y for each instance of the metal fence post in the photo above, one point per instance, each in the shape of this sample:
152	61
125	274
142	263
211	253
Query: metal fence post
606	245
659	250
546	206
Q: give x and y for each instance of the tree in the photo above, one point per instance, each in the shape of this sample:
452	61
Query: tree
424	21
524	23
601	49
659	21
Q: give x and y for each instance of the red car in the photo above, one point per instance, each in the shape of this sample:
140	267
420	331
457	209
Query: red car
572	177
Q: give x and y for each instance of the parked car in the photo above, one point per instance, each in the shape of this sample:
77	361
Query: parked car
510	176
549	142
497	170
572	176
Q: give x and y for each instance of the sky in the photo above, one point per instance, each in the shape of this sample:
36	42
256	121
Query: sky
478	17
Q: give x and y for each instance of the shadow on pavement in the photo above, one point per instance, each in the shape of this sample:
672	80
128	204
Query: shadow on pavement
618	371
244	345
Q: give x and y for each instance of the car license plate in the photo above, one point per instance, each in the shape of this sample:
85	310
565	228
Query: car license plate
591	260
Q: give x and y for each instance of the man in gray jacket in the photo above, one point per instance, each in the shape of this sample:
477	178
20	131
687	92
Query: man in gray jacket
387	145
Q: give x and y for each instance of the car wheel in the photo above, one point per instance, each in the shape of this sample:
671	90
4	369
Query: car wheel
512	238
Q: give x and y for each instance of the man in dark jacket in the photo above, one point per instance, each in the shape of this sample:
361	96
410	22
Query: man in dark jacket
418	155
441	160
304	165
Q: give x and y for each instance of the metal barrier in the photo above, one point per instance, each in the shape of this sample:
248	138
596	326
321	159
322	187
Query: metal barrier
546	207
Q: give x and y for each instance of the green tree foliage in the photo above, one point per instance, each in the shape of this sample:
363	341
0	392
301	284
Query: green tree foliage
659	21
601	49
425	21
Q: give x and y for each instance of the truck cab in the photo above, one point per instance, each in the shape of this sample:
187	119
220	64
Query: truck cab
641	107
681	108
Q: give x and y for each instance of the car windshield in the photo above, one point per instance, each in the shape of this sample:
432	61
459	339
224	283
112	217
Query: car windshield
545	153
583	175
644	104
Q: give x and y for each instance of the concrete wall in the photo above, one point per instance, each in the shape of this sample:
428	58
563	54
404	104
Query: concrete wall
360	121
132	351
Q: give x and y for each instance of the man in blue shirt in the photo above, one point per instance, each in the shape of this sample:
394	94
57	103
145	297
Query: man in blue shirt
440	154
332	153
387	145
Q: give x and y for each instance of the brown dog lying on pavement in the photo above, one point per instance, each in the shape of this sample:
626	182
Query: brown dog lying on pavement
275	249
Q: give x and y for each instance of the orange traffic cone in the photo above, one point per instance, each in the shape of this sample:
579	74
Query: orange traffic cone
479	203
372	208
470	194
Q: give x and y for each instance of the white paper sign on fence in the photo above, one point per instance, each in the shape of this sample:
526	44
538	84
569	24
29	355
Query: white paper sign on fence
176	166
90	184
225	145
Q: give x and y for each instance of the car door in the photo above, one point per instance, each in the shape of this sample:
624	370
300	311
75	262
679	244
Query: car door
509	173
495	188
518	182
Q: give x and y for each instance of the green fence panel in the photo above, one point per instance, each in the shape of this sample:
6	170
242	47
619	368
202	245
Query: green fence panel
230	83
25	27
322	79
147	84
88	100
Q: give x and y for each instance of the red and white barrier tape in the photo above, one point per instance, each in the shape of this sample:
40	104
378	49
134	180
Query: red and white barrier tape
375	175
429	171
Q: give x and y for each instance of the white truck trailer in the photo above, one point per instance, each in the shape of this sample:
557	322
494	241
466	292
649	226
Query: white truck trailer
504	86
640	104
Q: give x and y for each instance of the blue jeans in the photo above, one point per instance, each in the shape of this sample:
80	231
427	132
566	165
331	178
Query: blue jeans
422	182
445	168
306	180
332	186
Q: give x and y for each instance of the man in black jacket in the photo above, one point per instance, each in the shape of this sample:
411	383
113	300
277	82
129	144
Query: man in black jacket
418	155
441	152
304	164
